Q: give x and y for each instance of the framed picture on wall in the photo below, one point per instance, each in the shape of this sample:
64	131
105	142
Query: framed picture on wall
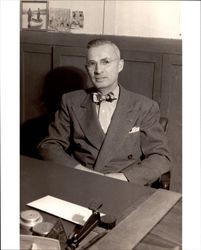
34	15
59	19
65	19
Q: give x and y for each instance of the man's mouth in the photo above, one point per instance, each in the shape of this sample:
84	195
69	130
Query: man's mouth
99	79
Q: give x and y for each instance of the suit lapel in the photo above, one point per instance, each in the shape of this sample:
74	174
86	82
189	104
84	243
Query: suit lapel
88	120
123	119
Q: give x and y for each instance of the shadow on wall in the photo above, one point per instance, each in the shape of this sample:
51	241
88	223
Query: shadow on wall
62	80
57	82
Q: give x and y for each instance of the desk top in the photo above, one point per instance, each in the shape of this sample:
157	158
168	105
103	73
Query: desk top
40	178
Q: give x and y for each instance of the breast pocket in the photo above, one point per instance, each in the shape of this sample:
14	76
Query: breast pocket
133	140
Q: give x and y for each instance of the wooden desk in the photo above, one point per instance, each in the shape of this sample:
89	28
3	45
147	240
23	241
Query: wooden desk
40	178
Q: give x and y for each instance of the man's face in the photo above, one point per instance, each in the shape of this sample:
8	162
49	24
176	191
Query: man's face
103	66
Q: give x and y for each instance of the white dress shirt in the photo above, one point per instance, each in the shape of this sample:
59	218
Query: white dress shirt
106	109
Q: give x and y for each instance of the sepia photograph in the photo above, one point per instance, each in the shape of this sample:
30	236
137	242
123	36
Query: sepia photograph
64	20
34	15
101	126
59	19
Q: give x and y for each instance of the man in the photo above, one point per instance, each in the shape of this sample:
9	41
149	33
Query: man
29	16
117	134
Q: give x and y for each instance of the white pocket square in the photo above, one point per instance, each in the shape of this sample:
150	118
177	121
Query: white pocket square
134	130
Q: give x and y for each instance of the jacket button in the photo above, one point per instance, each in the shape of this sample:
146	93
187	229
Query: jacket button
130	156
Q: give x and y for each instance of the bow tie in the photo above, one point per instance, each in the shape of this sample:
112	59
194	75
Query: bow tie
98	97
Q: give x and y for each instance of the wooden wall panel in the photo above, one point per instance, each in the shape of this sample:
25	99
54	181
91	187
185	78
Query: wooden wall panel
172	108
64	55
142	73
134	79
68	57
36	62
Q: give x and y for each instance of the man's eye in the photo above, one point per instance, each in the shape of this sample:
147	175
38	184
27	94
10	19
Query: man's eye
91	64
105	62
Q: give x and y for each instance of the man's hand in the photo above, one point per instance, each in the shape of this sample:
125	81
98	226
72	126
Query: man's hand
119	176
80	167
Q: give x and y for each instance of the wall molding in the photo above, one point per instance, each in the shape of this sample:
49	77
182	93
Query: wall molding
157	45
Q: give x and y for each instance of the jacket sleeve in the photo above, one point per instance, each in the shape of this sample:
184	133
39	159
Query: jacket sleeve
55	146
156	159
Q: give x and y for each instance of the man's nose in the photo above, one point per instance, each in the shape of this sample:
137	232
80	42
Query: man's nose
98	68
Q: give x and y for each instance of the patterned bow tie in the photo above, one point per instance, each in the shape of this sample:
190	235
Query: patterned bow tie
98	97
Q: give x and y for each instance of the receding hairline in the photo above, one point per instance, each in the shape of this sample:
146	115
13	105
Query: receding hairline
101	42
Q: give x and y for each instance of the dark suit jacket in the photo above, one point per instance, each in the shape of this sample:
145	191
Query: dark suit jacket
134	144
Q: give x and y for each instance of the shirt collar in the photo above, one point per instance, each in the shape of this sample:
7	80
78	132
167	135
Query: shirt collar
116	91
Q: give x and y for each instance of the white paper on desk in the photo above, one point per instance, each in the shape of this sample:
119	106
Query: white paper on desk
63	209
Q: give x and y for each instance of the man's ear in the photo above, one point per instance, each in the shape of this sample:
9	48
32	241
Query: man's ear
121	65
